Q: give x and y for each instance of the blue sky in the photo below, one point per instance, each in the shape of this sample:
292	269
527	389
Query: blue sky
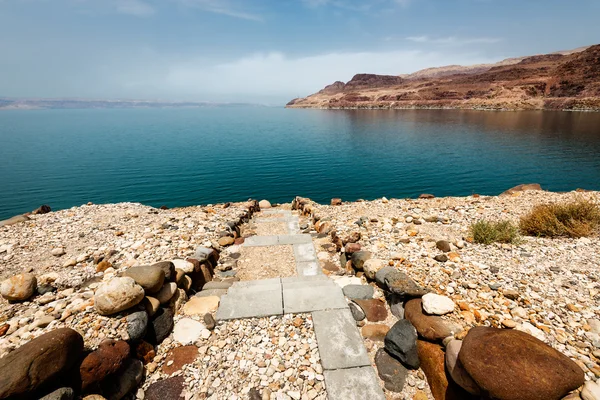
263	51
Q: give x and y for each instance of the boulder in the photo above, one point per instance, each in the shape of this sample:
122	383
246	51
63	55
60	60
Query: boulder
201	305
390	371
428	326
401	284
106	360
521	188
443	245
510	365
591	391
187	331
169	269
401	342
374	309
457	371
137	324
436	304
43	209
169	388
161	326
64	393
14	220
117	295
124	381
382	273
336	201
166	293
184	265
375	332
149	277
357	313
226	241
358	291
358	259
371	266
19	287
151	305
178	357
40	361
397	306
264	204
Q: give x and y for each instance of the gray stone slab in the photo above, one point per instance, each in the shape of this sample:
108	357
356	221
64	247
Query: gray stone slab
306	279
308	268
353	384
266	220
211	292
269	212
317	295
294	239
255	241
251	303
244	284
293	226
304	252
340	343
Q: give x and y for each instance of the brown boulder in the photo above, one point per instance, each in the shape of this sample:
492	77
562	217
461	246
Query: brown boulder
40	361
179	356
144	352
432	363
107	359
336	202
428	326
514	365
43	209
4	329
375	332
521	188
169	388
374	309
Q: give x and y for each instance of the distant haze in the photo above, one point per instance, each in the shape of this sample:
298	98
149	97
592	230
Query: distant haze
263	51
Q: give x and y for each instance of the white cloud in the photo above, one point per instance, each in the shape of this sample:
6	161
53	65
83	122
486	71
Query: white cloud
223	7
453	40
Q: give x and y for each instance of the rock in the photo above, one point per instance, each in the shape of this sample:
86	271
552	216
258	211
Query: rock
19	287
351	248
117	295
358	259
209	321
94	397
358	291
4	329
106	360
382	273
264	204
390	371
336	201
519	312
510	294
432	364
428	326
436	304
169	388
178	357
226	241
169	269
38	362
510	364
57	252
593	323
211	292
151	305
399	283
125	380
65	393
149	277
205	254
371	266
43	209
166	293
443	245
401	342
343	281
441	258
456	369
186	266
375	332
144	352
397	306
201	305
521	188
357	313
217	285
103	266
161	326
137	324
14	220
187	331
591	391
426	196
374	309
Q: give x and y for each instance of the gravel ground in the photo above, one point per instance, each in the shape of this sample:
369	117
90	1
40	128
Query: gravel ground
266	262
271	228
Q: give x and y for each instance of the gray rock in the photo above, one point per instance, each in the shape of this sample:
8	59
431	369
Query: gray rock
382	273
357	313
401	342
397	306
358	259
391	371
124	381
401	284
209	321
137	324
149	277
161	326
211	292
65	393
203	254
358	291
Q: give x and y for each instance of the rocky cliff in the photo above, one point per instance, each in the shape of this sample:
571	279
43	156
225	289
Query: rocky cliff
557	81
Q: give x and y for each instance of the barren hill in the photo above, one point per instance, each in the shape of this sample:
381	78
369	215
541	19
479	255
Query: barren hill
568	80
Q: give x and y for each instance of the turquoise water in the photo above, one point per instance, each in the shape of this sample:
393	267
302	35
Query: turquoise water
179	157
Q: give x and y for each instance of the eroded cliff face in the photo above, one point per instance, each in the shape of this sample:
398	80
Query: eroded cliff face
569	81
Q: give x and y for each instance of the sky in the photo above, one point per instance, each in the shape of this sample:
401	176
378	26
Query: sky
263	51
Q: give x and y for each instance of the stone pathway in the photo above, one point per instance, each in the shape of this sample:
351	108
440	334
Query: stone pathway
347	368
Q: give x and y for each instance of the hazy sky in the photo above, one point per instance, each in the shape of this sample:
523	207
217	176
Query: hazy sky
266	51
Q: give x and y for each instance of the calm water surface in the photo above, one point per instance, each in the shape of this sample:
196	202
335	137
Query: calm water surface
181	157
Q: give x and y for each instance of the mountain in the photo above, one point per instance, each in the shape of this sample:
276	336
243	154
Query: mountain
36	104
567	80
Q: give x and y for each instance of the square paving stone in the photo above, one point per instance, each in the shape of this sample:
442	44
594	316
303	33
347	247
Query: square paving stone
295	239
301	296
308	268
304	252
340	343
250	302
353	384
254	241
